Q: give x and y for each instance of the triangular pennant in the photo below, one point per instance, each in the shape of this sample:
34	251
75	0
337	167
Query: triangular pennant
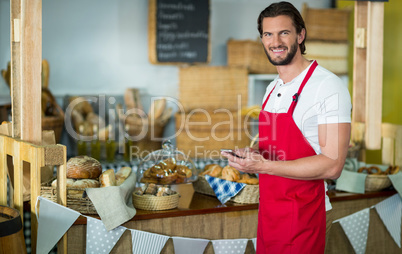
54	220
230	246
390	212
254	240
356	229
184	245
223	189
99	240
147	243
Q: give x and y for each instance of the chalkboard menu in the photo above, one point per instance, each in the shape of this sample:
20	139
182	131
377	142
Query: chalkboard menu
179	31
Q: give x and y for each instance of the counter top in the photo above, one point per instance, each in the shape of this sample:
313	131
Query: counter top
193	203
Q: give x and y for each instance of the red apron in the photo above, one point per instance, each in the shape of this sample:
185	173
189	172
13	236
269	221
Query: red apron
291	217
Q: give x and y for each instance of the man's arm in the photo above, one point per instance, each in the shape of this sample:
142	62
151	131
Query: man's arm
334	141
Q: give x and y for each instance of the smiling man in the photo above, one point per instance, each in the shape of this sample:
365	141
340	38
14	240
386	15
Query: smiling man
304	132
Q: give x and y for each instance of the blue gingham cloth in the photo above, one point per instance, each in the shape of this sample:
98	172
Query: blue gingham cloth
223	189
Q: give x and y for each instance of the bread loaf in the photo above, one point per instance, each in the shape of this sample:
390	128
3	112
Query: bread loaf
107	178
73	186
79	184
122	175
69	183
230	174
213	170
83	167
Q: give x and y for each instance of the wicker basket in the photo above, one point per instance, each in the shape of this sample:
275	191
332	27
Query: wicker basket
203	134
250	194
377	182
249	54
53	122
79	204
213	87
154	203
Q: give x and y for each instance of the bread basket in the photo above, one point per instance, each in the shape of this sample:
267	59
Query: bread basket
80	203
377	182
250	194
154	203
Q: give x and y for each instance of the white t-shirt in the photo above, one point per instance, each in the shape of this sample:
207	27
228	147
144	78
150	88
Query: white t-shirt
325	99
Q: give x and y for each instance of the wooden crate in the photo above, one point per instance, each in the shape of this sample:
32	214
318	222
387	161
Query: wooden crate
330	55
213	87
201	134
329	24
249	54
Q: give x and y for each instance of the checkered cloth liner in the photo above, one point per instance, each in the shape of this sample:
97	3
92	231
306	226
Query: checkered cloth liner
224	189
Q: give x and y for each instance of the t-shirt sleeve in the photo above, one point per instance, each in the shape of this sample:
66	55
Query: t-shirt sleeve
335	102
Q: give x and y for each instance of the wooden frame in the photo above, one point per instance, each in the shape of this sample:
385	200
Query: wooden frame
367	69
37	156
24	145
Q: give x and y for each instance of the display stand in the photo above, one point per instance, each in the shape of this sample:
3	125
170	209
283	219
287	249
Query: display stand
38	156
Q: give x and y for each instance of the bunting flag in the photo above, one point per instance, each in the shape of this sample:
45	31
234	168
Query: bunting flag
147	243
99	240
356	229
254	240
53	222
235	246
184	245
390	212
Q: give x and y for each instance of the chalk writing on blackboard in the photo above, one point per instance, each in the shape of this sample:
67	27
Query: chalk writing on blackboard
182	31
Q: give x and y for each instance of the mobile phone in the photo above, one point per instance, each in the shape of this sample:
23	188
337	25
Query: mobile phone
230	151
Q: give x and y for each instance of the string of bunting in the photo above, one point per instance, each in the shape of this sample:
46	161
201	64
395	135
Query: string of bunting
54	220
356	225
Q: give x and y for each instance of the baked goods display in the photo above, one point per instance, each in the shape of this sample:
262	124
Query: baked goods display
153	189
229	173
84	119
154	197
166	166
167	172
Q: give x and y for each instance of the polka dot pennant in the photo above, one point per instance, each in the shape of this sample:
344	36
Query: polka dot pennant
230	246
390	212
356	229
99	240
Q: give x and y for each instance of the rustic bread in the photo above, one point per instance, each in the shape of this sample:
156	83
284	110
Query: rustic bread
83	167
122	175
79	184
107	178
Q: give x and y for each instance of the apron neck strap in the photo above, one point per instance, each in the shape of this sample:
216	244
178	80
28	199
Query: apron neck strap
295	97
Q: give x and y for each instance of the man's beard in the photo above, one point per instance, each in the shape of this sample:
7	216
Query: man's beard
287	59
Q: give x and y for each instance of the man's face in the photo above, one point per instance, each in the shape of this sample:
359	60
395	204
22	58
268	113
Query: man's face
280	40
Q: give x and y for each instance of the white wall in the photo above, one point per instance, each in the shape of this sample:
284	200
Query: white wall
101	47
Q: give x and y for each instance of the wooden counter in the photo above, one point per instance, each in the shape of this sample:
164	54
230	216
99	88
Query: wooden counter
202	216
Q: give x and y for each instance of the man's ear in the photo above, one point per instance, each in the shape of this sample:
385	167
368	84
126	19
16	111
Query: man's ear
301	36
